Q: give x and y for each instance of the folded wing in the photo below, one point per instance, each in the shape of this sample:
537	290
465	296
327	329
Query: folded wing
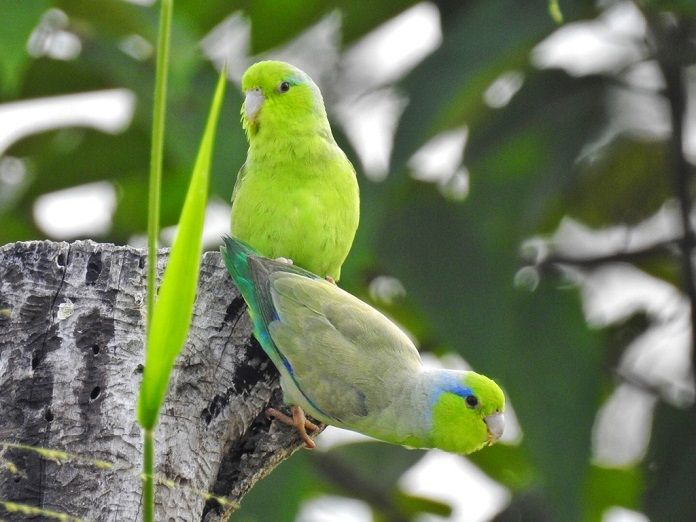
344	355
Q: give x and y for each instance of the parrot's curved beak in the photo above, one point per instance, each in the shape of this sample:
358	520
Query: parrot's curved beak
252	103
496	425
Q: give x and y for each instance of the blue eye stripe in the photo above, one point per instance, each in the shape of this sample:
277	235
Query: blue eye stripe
293	80
454	387
461	390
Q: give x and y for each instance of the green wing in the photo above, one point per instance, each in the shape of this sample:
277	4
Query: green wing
344	354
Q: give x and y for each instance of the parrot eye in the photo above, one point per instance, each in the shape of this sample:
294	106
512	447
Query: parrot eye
284	87
471	401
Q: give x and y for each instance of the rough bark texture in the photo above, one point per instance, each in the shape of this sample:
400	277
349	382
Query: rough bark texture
71	353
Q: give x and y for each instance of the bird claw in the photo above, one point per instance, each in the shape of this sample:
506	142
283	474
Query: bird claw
284	260
298	421
330	279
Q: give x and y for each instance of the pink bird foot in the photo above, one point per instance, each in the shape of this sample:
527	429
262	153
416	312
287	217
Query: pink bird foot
298	421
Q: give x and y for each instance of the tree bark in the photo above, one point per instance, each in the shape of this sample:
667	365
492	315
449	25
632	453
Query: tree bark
71	354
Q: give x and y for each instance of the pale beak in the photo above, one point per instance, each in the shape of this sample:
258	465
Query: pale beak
496	426
252	103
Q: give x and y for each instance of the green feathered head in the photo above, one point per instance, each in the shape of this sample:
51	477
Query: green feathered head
468	413
280	97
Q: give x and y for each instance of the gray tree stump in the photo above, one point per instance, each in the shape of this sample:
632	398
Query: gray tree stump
71	354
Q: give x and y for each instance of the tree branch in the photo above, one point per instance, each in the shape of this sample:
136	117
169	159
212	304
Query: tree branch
556	259
671	42
71	351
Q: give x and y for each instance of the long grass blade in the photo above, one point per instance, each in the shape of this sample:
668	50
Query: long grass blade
153	217
156	152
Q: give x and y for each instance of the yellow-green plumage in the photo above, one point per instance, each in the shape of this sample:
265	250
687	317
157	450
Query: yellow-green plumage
297	194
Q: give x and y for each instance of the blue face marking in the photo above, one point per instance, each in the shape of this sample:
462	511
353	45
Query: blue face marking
461	390
293	80
451	385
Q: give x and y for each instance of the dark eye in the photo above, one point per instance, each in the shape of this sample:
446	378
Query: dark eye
284	87
471	401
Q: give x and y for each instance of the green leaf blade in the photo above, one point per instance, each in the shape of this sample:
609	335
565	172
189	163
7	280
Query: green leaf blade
174	307
555	11
14	58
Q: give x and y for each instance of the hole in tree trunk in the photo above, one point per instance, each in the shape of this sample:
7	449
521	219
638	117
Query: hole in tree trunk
94	268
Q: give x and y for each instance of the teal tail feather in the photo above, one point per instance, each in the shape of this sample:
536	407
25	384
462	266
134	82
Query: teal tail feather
235	253
237	256
249	271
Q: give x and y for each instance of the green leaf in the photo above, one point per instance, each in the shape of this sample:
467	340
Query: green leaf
411	505
686	8
21	18
73	157
607	487
624	182
272	24
360	17
555	11
553	348
507	464
170	321
109	19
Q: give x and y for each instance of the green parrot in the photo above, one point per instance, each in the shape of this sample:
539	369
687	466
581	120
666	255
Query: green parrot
347	365
297	194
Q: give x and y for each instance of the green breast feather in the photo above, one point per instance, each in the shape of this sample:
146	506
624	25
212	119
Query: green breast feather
297	194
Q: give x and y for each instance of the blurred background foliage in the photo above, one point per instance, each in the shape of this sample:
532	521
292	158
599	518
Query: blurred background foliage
523	201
